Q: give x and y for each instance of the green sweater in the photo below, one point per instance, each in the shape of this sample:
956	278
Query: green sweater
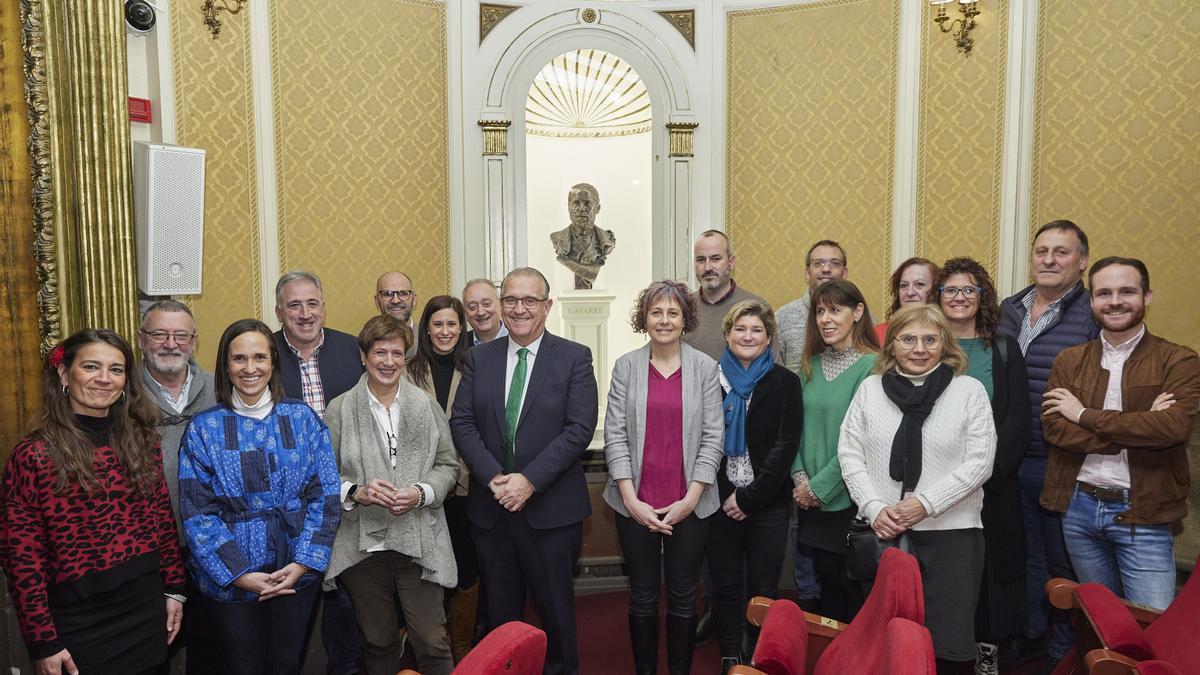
825	405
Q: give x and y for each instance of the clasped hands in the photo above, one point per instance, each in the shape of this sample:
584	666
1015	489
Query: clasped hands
802	495
893	521
269	585
512	490
663	520
380	492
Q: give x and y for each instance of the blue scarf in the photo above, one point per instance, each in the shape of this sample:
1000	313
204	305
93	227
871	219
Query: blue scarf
741	384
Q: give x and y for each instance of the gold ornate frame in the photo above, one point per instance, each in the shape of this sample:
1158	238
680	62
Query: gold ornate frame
76	90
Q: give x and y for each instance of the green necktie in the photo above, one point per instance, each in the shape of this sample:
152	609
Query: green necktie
512	410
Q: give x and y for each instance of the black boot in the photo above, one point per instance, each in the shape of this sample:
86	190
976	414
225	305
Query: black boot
643	633
749	641
681	642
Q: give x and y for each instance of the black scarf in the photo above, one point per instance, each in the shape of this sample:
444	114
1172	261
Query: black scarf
916	403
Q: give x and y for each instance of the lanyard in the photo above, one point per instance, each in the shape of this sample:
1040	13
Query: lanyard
389	432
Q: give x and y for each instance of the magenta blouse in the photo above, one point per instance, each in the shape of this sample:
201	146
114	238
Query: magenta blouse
662	458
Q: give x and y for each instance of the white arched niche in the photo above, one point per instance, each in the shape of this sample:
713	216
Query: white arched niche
518	48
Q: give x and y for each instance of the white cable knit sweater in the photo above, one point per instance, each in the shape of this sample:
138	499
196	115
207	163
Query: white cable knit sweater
958	447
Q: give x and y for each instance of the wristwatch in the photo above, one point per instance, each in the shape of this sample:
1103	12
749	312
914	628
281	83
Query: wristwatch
351	491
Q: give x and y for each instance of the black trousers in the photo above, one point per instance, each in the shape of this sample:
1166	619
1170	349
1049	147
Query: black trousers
840	598
751	550
515	558
198	636
264	638
647	552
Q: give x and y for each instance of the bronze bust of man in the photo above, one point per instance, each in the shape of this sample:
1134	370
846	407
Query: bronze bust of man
582	247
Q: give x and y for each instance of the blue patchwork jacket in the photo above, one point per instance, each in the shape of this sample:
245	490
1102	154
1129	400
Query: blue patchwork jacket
255	495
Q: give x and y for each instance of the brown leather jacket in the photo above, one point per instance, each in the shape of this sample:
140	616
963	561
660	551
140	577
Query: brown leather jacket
1157	441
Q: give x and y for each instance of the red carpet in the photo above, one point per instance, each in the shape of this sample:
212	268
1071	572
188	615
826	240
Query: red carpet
604	638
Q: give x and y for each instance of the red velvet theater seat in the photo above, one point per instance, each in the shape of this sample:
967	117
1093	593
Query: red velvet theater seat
1116	636
908	649
515	648
863	645
783	643
897	592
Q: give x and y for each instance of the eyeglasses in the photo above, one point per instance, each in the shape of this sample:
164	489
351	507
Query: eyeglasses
968	292
831	263
395	295
510	302
160	336
910	341
393	445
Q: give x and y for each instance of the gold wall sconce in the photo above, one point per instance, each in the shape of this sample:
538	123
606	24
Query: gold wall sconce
962	34
213	7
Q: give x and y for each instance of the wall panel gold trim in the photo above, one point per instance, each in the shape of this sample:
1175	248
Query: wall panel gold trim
79	127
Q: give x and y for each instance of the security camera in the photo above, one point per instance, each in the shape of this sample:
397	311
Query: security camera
139	16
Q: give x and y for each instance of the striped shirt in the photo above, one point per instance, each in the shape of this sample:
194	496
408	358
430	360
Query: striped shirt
1031	329
310	376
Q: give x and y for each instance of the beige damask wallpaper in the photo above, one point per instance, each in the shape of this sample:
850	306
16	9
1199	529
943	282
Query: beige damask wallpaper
811	112
960	140
361	135
361	151
1117	140
214	111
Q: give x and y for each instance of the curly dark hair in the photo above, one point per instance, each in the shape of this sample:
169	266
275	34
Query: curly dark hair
657	291
134	416
988	317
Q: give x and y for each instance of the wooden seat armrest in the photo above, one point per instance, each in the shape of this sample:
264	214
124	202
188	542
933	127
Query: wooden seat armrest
1061	592
745	670
1062	595
756	609
1108	662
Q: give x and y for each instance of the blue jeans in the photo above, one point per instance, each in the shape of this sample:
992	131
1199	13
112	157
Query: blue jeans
807	586
1136	562
1047	557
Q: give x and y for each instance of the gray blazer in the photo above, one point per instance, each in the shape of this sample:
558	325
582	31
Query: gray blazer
703	424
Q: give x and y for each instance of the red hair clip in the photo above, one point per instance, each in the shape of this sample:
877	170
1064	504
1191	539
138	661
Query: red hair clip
56	356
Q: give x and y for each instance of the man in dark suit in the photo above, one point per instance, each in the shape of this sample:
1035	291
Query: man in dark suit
524	414
318	364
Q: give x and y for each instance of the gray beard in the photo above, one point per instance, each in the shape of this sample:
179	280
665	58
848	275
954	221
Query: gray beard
155	366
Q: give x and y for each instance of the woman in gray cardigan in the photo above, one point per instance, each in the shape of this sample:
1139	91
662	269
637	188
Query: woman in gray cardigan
663	444
397	465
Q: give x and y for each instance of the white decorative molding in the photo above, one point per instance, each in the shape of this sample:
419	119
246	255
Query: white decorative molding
585	320
264	158
491	81
1016	180
908	113
161	64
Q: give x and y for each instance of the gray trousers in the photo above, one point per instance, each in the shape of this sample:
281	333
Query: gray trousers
372	584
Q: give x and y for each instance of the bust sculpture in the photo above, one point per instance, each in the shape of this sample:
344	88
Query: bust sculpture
582	247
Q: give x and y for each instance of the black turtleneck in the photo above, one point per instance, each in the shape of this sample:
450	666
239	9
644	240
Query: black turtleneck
95	428
441	369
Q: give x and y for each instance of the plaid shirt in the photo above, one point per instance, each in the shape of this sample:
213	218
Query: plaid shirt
310	376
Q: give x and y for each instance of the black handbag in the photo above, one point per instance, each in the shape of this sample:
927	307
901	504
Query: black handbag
864	548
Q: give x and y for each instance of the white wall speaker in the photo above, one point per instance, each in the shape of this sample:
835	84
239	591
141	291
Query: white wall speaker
168	213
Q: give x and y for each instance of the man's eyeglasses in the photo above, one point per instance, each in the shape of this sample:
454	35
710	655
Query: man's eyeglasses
831	263
395	295
910	341
510	302
968	292
160	336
